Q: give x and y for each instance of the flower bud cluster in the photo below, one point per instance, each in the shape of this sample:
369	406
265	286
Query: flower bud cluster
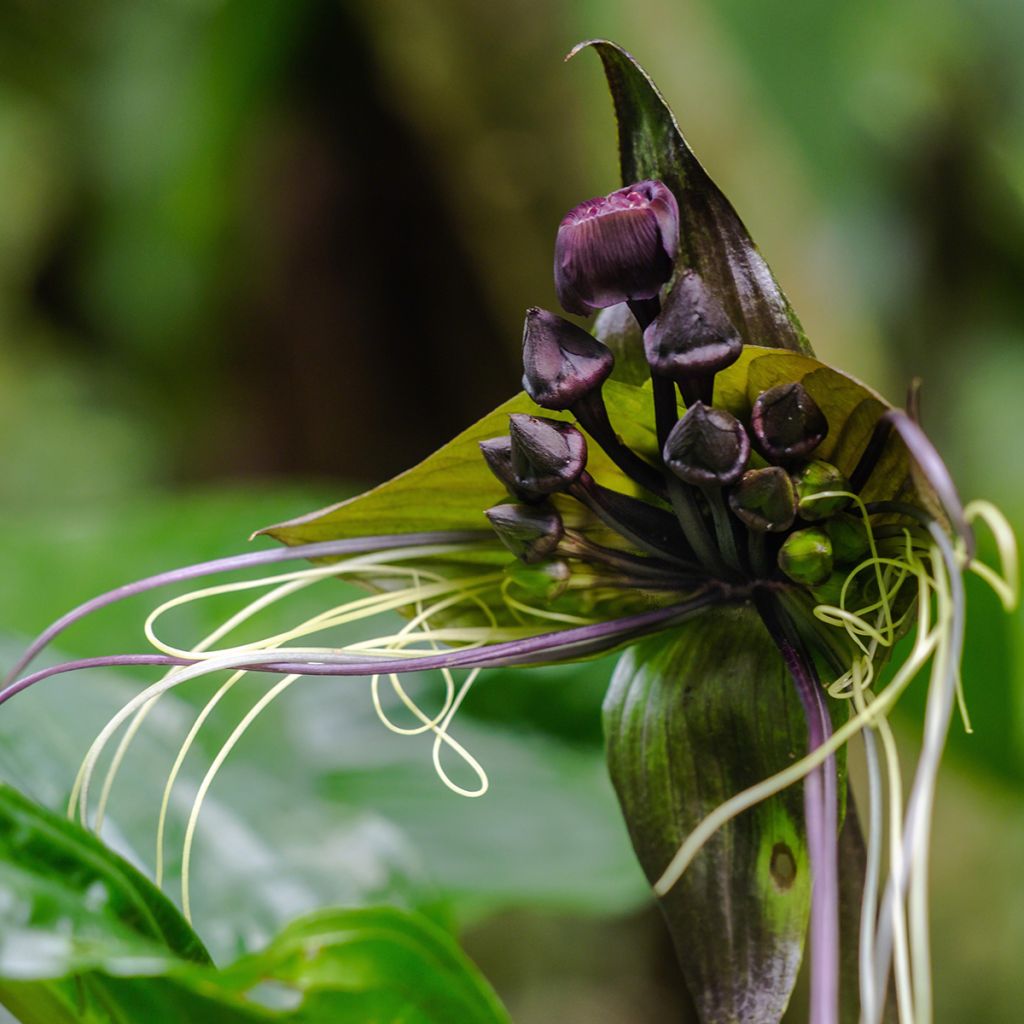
725	478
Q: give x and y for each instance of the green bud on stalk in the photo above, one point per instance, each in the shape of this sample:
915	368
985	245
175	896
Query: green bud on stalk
819	477
806	557
849	539
764	500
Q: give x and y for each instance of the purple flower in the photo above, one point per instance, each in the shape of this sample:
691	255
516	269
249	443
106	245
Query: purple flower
616	248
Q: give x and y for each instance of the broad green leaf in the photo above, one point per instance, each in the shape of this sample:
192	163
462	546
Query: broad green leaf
83	936
371	964
713	240
65	891
691	720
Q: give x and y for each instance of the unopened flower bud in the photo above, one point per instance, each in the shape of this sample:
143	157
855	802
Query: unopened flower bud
787	422
530	532
543	582
806	556
849	539
692	334
707	446
547	455
561	362
497	453
764	500
616	247
818	477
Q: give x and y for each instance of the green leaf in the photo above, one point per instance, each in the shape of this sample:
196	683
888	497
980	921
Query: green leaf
713	240
372	964
59	878
690	720
83	936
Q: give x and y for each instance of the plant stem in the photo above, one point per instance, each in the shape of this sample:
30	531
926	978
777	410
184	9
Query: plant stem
684	502
820	813
666	411
592	415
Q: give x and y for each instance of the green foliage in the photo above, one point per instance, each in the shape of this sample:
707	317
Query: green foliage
84	937
691	720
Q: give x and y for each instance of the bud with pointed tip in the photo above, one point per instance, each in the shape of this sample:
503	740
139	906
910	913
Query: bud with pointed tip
817	477
616	247
764	500
497	453
547	455
707	447
561	362
692	335
806	556
787	422
530	532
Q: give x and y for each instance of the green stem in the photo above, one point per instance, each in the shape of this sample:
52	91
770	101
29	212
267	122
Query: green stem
723	527
684	502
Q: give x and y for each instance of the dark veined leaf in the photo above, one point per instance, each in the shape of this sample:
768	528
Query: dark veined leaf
690	720
713	240
83	936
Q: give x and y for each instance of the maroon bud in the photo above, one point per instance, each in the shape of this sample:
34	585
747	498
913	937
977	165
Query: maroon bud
530	532
497	453
547	455
787	423
707	447
692	334
561	362
617	247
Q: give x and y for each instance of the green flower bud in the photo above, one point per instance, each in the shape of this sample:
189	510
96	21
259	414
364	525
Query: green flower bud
543	582
764	500
818	477
849	539
806	556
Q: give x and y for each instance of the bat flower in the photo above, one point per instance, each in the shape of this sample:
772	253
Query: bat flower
753	529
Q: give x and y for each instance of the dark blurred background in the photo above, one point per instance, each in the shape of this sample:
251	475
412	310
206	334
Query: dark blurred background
256	253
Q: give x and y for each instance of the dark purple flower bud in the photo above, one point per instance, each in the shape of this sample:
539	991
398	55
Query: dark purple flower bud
547	455
561	362
497	453
617	247
787	422
764	500
692	334
530	532
707	446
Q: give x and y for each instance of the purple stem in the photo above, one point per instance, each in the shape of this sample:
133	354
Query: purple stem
568	643
821	817
322	549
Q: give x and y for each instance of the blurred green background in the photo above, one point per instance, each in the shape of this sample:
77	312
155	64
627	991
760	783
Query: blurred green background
257	253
